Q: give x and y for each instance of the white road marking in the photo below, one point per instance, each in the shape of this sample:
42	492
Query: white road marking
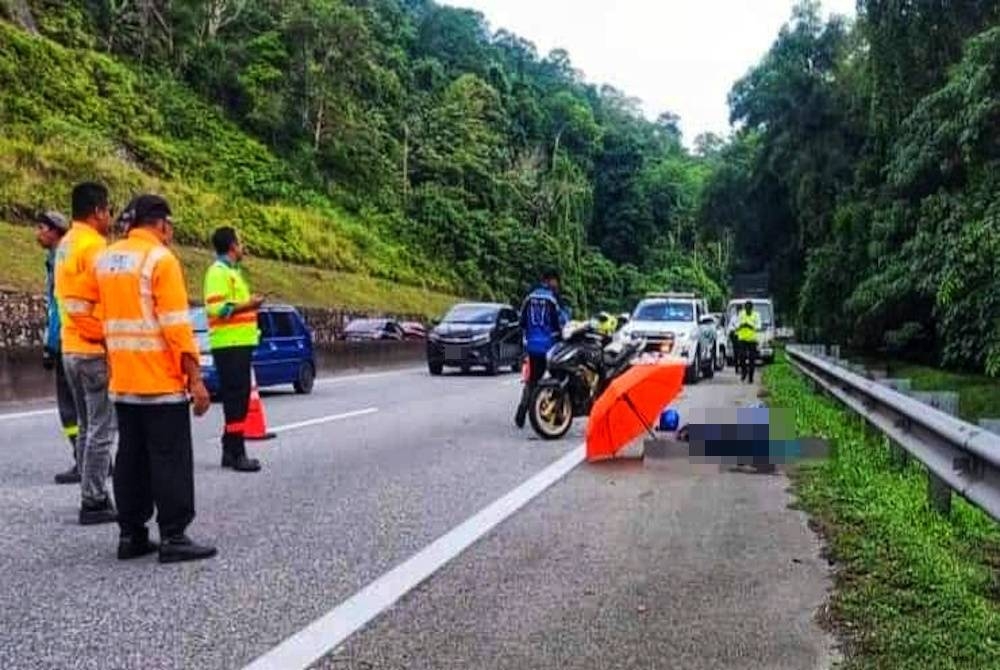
25	415
323	419
330	631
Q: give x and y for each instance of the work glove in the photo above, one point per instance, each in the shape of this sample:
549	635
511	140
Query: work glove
48	359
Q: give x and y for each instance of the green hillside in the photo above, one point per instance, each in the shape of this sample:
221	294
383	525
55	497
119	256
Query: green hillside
396	139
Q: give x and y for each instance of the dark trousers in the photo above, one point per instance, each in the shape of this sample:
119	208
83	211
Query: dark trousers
154	466
66	405
747	359
536	370
233	366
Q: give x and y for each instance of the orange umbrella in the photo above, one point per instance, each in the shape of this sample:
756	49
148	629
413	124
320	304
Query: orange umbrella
631	405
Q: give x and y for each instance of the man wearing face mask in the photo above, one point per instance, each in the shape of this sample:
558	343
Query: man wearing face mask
155	384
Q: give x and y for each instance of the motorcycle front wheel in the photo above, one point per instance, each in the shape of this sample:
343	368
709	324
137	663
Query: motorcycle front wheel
550	412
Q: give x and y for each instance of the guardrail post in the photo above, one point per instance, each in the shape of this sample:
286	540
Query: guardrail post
938	492
835	351
897	455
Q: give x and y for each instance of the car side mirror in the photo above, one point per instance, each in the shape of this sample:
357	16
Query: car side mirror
707	321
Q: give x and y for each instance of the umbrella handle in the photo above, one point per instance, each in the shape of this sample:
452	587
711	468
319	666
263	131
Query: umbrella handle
642	419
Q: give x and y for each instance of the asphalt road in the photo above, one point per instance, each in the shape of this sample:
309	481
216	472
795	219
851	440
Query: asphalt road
613	566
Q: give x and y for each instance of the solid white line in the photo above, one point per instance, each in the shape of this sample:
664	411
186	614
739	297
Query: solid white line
25	415
329	631
323	419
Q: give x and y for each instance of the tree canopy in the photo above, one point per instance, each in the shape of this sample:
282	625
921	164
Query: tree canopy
465	145
864	176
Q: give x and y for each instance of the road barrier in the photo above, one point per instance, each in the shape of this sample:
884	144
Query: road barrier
960	457
23	378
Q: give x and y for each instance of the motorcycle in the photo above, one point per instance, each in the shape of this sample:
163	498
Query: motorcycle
579	369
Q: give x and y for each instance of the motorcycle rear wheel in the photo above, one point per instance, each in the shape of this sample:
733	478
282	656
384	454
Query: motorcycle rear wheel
550	412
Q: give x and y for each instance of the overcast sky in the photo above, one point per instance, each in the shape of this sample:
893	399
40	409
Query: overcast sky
677	55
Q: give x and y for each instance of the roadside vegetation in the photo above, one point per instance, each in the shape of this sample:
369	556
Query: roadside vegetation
397	139
914	589
21	260
866	176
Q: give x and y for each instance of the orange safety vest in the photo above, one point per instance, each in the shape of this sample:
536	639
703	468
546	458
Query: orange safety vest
76	290
147	323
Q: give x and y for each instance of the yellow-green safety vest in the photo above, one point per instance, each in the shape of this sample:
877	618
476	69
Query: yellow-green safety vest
226	287
747	326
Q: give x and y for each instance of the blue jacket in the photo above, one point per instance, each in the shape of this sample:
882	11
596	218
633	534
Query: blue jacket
52	342
542	319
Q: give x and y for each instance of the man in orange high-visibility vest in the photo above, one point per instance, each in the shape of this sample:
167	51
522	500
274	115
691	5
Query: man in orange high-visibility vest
233	336
155	376
83	353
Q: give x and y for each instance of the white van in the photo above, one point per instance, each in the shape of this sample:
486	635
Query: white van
765	336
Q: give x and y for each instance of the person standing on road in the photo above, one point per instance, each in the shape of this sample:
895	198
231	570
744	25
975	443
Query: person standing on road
747	325
542	319
233	335
82	338
51	228
155	376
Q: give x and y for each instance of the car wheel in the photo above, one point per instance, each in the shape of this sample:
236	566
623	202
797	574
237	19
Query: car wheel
307	379
691	374
435	368
709	371
491	364
720	360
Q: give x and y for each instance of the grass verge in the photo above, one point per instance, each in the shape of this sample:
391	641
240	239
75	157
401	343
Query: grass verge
913	589
21	261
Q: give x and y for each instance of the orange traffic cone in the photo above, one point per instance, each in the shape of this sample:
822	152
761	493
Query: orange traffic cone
255	425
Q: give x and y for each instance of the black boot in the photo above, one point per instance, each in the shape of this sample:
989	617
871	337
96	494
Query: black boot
179	548
135	545
92	514
71	476
234	455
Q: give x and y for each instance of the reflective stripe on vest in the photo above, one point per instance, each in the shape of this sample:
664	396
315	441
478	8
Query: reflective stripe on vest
226	284
139	334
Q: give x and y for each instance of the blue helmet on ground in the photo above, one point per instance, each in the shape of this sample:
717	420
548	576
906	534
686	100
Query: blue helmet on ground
670	420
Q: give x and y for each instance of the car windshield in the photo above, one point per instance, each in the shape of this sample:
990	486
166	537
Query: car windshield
664	310
762	308
365	325
478	314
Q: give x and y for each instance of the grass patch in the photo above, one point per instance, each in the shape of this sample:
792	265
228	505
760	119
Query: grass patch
913	589
22	263
979	395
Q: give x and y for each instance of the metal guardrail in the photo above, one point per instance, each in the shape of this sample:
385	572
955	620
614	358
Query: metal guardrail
959	456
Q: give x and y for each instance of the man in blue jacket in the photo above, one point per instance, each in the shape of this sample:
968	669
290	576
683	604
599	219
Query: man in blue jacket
542	319
51	228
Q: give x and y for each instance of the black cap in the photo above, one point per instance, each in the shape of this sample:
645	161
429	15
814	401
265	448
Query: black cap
54	220
147	208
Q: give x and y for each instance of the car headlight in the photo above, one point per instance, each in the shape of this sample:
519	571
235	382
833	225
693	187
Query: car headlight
481	339
433	337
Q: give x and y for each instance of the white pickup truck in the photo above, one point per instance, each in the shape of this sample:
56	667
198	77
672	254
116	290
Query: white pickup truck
676	325
766	334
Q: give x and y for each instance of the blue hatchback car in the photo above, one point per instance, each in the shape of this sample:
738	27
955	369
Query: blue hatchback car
284	355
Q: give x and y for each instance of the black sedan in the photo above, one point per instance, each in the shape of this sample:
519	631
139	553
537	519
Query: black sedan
486	335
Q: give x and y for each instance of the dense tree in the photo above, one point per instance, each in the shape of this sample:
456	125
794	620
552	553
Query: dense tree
468	146
863	177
